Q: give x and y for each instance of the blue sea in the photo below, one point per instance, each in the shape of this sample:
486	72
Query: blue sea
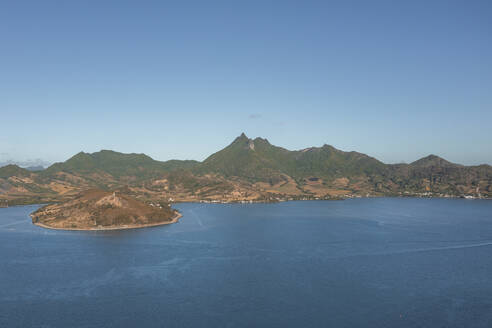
382	262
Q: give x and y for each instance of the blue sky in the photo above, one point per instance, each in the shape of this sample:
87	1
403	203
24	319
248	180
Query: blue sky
397	80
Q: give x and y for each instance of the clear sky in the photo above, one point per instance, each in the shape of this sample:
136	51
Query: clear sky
397	80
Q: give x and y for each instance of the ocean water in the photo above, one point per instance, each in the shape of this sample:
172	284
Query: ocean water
386	262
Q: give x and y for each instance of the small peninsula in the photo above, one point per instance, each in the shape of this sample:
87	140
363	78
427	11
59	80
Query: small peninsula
102	210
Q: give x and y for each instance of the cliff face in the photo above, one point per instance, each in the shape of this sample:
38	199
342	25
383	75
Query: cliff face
96	209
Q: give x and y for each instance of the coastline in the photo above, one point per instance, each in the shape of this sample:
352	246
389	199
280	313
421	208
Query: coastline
290	198
179	215
125	227
207	201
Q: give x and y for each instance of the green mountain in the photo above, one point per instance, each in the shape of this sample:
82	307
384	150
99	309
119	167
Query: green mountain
432	161
254	160
13	170
330	162
435	174
258	160
118	165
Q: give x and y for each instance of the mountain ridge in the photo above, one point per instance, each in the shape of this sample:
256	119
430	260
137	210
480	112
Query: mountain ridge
246	170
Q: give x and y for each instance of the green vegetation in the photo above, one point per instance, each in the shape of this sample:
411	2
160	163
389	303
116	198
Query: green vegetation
13	170
118	165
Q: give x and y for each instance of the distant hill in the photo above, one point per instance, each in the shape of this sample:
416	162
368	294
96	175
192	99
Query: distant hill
246	170
433	161
31	165
116	164
435	174
13	170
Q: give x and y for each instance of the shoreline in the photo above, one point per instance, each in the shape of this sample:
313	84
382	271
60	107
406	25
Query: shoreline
321	199
125	227
202	201
216	201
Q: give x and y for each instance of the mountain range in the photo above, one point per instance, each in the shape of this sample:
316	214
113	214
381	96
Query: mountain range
246	170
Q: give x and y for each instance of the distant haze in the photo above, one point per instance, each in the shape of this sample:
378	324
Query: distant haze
395	80
34	164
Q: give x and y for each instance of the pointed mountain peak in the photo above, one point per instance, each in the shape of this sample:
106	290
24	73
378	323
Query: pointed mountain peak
327	146
246	143
79	156
242	137
432	157
432	160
